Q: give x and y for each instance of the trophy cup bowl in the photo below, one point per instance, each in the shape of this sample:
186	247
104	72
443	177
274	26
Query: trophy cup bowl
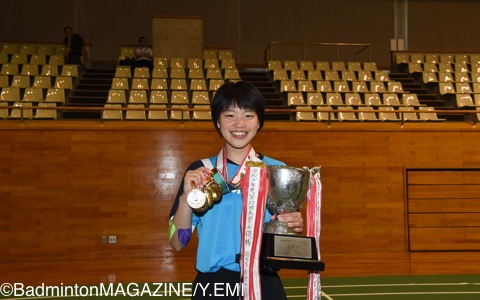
287	189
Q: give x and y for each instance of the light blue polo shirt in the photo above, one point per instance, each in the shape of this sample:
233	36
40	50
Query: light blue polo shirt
218	228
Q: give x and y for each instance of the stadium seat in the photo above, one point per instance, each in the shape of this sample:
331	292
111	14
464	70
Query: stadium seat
64	82
211	63
200	98
214	84
141	72
195	74
38	59
411	100
137	97
427	113
391	99
198	85
159	72
178	84
231	74
4	82
346	114
348	75
9	69
3	59
306	65
463	88
326	115
116	96
42	111
20	81
462	77
225	54
140	84
431	67
112	114
43	82
464	100
373	99
280	75
30	70
322	66
341	86
417	58
381	76
177	63
428	77
10	94
353	99
462	58
44	50
338	66
274	65
159	84
202	114
442	67
179	114
194	63
160	62
388	113
227	63
354	66
32	94
332	75
209	53
179	97
178	73
19	59
158	97
445	77
366	114
10	48
295	99
305	86
3	110
324	86
315	99
49	70
302	115
334	99
447	58
23	110
135	112
370	66
377	87
314	75
408	113
56	95
394	87
297	75
365	76
158	112
402	58
461	67
290	65
287	86
432	58
56	59
214	73
414	67
360	87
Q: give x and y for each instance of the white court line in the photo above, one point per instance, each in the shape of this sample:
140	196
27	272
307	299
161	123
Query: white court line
405	293
390	284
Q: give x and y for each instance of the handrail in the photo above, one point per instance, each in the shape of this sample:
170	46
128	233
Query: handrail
267	111
268	52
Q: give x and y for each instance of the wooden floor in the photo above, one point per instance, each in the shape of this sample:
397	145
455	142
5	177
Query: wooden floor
175	268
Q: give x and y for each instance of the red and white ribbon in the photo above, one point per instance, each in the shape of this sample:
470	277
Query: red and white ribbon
254	193
314	207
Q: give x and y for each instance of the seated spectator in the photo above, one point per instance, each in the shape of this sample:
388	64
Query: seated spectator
143	55
75	46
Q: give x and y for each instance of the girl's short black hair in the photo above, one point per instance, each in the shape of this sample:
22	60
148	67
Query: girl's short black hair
241	94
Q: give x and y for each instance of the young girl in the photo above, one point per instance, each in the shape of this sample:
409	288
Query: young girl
237	114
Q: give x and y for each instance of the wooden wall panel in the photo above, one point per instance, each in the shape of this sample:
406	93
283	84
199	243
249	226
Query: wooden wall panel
66	185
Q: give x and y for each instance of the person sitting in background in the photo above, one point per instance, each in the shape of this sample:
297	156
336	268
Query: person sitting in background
143	55
75	46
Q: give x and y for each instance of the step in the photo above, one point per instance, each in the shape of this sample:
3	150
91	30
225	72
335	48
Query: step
84	100
94	87
91	93
105	81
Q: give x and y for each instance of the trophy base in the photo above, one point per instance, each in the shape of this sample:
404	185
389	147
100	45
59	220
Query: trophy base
289	252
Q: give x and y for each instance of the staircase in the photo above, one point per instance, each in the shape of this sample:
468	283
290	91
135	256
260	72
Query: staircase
91	90
262	79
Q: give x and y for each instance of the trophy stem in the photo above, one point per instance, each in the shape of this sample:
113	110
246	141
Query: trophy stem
278	227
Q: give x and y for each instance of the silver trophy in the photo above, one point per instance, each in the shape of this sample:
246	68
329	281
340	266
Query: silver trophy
281	246
288	187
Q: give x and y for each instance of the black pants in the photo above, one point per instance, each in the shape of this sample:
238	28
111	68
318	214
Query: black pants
225	284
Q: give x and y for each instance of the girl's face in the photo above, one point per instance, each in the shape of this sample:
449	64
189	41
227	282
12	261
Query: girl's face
238	127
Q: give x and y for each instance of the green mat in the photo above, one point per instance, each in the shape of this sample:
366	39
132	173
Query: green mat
452	287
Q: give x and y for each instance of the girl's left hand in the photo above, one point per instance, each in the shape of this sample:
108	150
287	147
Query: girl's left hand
294	220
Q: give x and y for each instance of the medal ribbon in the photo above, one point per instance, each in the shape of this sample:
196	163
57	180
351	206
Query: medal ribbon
314	207
221	176
254	193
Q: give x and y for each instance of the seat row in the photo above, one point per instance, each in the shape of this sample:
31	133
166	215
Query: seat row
347	75
384	114
38	81
450	77
450	58
341	86
158	97
33	48
35	59
292	65
218	54
458	88
33	95
26	110
155	112
33	69
414	67
160	72
352	99
122	83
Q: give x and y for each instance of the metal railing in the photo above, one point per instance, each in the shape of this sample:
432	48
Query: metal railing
472	114
306	48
